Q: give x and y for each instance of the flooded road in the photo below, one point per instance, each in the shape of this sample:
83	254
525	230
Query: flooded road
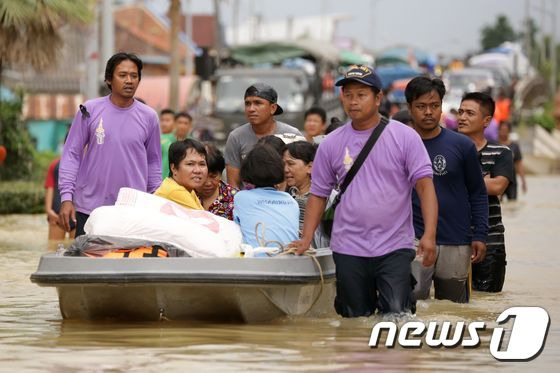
33	336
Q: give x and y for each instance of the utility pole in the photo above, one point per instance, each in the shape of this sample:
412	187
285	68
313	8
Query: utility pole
218	28
92	56
188	31
235	21
323	15
543	46
553	61
175	15
528	34
552	45
258	25
107	30
290	27
372	25
252	21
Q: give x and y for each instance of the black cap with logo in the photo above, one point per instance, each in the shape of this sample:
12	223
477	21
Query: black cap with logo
265	91
361	74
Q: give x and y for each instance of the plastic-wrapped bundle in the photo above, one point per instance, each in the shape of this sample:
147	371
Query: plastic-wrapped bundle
99	246
144	216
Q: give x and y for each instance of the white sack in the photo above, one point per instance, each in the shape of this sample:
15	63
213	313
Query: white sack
141	215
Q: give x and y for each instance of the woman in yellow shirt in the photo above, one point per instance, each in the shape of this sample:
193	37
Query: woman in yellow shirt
187	172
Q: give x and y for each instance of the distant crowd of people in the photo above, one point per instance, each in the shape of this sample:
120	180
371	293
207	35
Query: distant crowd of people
421	204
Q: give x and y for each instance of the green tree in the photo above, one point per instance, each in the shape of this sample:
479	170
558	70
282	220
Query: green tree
29	36
529	37
494	35
19	160
29	29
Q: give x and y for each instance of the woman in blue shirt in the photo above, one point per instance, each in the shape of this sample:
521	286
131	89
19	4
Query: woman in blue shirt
266	216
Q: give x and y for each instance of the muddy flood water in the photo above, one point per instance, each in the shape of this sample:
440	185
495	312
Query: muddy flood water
34	337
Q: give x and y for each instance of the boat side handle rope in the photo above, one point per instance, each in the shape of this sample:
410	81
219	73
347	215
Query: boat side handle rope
310	253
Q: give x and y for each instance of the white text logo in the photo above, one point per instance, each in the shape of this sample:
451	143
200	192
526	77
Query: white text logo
526	341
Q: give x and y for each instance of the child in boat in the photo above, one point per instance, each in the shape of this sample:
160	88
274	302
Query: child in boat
187	172
266	216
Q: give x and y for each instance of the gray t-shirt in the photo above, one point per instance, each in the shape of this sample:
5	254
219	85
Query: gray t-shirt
242	140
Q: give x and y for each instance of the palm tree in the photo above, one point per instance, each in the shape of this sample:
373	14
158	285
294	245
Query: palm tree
29	30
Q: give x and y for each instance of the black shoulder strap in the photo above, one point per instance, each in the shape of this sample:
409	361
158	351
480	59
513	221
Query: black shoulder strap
363	155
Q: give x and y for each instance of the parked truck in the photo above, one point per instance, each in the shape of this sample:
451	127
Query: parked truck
297	92
302	73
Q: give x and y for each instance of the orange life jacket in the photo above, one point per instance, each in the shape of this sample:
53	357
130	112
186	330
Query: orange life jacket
140	252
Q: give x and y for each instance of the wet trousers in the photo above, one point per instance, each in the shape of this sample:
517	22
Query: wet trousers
364	284
450	274
489	275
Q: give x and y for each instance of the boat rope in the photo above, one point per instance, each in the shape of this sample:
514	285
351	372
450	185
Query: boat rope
261	240
162	316
311	252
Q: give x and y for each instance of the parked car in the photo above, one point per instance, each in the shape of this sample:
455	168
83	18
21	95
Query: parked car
469	80
459	82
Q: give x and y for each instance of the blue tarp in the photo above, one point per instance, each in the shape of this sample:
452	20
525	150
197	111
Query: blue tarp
390	73
503	50
403	54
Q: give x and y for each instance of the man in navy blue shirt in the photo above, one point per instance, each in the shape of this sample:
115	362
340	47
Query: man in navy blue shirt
463	203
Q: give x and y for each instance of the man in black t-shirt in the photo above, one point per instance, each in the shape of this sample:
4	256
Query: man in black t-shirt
518	169
475	113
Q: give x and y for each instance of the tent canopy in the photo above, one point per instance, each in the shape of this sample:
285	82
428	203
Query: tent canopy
276	52
405	55
350	58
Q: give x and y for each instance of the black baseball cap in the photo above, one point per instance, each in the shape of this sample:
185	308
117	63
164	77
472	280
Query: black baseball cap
265	91
361	74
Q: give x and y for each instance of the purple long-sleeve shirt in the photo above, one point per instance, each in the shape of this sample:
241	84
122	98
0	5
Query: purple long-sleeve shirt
374	216
112	148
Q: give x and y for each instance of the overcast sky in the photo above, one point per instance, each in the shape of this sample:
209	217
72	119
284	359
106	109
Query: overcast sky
450	27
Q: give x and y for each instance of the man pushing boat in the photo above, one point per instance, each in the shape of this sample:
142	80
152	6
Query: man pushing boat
372	237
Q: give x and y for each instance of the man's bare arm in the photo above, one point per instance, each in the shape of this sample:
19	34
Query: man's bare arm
496	186
313	213
233	176
428	203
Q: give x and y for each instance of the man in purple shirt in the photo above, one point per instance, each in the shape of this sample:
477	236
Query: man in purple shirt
372	237
114	142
